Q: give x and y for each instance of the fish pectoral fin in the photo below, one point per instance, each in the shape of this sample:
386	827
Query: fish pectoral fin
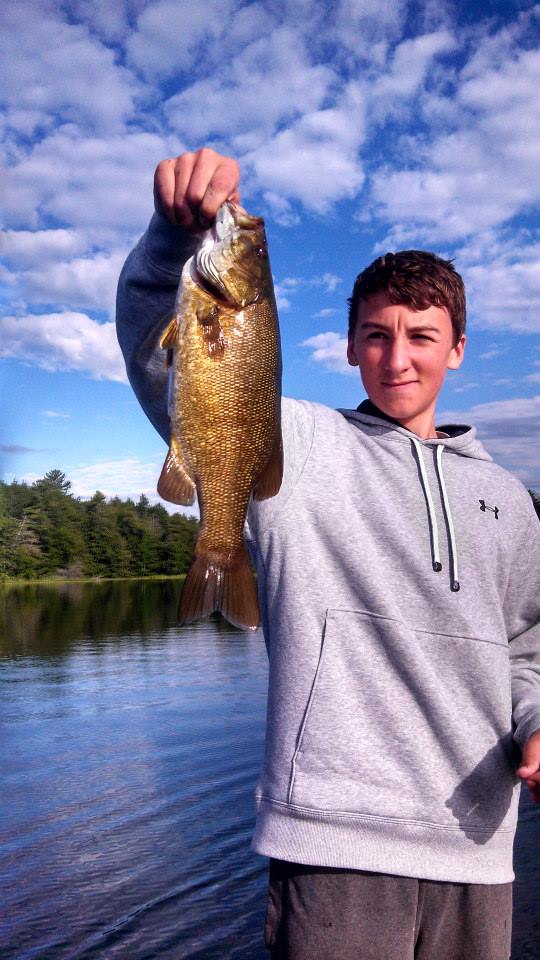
212	332
169	337
269	480
230	589
175	483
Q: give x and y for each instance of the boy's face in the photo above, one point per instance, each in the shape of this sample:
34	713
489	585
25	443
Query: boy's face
403	355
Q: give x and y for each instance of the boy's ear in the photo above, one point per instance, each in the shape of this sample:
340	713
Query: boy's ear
456	354
351	353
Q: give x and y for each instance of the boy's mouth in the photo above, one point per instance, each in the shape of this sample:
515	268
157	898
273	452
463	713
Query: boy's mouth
400	383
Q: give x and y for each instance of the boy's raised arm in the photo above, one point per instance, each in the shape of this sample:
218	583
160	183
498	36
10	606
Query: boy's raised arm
188	191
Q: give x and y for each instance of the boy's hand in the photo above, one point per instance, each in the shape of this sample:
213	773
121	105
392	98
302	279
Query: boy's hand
529	768
189	189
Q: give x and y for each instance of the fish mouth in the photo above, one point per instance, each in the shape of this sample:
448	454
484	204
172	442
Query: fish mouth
230	217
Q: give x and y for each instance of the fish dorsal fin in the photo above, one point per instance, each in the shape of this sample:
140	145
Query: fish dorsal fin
169	337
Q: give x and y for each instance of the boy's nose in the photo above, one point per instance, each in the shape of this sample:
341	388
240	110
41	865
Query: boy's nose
397	356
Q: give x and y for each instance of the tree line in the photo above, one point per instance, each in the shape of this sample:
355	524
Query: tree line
47	532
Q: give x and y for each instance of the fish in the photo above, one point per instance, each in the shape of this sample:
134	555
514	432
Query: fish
224	358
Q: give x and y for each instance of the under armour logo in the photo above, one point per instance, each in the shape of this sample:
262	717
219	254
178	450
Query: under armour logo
485	506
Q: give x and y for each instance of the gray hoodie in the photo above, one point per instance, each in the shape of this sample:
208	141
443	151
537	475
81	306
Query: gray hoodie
399	583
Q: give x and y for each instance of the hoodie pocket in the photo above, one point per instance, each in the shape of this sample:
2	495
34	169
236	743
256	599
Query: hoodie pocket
400	722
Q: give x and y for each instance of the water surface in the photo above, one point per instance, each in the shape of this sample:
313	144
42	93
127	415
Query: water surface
130	752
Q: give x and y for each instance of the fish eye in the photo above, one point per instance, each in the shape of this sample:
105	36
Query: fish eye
260	252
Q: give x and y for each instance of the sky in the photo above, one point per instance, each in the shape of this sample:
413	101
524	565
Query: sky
360	127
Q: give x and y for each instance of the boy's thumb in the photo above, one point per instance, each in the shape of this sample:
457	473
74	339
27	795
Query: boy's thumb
530	759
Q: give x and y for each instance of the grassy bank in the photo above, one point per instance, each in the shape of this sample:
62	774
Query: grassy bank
22	581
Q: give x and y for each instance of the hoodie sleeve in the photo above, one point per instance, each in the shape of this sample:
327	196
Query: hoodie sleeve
146	293
522	607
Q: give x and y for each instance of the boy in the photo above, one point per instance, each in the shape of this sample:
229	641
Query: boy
399	574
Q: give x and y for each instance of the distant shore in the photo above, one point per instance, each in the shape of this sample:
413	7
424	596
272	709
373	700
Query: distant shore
22	581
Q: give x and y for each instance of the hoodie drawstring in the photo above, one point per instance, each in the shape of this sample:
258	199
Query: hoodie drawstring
448	515
435	554
433	529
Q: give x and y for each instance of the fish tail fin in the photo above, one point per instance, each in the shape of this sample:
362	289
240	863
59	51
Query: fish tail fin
231	590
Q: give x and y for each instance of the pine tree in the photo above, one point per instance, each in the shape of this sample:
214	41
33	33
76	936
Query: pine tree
46	531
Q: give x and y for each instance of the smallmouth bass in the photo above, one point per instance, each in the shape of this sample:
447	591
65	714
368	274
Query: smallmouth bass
224	405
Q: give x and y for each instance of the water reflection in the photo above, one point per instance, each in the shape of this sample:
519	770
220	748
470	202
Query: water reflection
130	751
45	619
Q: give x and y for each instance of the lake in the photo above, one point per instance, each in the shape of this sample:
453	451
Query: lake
130	752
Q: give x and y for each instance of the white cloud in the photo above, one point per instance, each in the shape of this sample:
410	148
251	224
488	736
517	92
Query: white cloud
510	431
282	210
88	282
110	21
64	341
330	281
482	170
101	186
62	73
268	82
330	350
289	286
170	32
55	414
497	47
292	162
462	387
408	69
365	27
504	292
282	300
26	248
248	23
490	354
325	312
125	477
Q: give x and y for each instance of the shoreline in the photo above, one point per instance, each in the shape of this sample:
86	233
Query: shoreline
22	581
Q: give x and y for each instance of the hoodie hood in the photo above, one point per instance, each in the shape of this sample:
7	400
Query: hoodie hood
461	438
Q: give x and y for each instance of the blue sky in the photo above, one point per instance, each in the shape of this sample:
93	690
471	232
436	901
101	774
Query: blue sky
360	127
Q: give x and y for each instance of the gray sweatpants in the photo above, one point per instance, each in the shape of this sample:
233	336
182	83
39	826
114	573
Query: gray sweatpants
318	913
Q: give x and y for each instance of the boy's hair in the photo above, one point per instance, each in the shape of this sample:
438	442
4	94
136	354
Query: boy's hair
416	278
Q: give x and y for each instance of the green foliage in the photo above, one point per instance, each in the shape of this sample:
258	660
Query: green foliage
46	532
